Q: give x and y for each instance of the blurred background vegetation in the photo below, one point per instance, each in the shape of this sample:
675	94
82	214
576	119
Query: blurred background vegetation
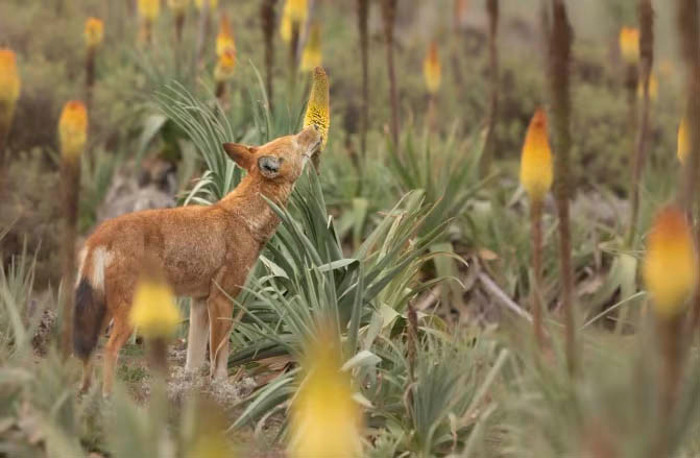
421	261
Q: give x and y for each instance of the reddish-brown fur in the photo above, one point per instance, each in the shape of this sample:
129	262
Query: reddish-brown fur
206	253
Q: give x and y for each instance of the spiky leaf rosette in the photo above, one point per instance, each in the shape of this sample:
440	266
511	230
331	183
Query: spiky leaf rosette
318	110
153	311
325	420
536	170
72	129
670	264
94	32
432	70
629	45
312	56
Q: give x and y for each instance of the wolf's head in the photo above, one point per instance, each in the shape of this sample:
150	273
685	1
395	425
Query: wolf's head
281	160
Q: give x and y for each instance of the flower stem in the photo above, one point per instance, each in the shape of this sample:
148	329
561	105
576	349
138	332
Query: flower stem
560	51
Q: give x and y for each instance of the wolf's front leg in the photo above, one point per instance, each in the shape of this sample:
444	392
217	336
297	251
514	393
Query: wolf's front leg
220	310
197	335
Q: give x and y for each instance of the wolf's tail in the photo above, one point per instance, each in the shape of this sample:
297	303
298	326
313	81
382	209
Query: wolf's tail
88	318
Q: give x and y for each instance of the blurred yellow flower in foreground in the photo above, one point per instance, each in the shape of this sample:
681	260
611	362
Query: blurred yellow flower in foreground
224	40
683	141
432	71
94	32
10	83
318	109
629	45
312	56
225	66
149	9
325	420
153	310
536	171
212	4
72	129
670	264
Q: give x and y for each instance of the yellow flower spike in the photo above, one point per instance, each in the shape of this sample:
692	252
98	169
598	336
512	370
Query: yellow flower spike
298	10
153	310
149	9
212	4
629	45
318	108
225	66
224	40
432	71
536	172
683	141
94	32
325	420
286	24
653	88
10	83
72	130
670	264
209	439
178	6
312	56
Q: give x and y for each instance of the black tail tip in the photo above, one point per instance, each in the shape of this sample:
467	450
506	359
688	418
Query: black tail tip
87	319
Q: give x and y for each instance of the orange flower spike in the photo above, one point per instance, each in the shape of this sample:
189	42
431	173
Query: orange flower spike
94	32
629	45
683	141
10	83
298	10
149	9
432	71
670	264
72	129
225	66
536	170
224	40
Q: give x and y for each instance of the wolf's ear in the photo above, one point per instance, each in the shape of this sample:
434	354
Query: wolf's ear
243	155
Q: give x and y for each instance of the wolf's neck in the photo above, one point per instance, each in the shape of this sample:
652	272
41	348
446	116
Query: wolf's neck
247	204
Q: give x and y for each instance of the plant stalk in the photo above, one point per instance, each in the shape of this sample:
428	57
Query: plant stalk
689	34
267	15
89	76
492	7
536	298
70	190
560	53
293	59
363	21
646	49
389	19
